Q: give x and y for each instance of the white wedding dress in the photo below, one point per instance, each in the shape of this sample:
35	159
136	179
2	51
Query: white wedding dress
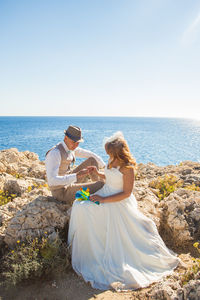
114	244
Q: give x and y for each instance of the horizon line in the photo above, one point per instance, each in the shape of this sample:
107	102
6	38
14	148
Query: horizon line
101	116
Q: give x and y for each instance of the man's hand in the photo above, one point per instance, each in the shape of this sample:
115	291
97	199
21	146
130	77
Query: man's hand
82	173
92	169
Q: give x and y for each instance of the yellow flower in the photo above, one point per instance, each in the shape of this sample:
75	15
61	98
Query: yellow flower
12	251
45	232
29	188
196	245
18	241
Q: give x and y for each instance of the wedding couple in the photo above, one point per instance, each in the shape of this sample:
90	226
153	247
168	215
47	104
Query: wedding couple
113	243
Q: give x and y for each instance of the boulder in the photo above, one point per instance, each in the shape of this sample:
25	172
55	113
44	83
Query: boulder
21	163
192	290
180	220
1	219
10	156
148	202
16	186
33	212
2	167
44	214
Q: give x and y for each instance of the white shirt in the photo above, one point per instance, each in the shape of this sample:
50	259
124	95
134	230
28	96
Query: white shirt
53	160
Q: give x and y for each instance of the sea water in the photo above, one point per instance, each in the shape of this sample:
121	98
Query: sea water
162	141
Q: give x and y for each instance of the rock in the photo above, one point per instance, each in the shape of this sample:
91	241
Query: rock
180	217
1	219
37	170
43	214
192	290
3	178
31	155
166	290
2	167
191	179
10	156
147	201
34	212
186	171
21	163
16	186
53	237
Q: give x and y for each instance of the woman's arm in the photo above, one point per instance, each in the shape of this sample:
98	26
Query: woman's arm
128	183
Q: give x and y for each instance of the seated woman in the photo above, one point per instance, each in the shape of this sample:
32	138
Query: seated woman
114	244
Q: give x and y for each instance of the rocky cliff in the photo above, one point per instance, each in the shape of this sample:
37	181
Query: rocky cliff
169	195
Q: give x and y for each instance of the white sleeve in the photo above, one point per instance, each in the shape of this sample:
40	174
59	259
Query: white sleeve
82	153
52	163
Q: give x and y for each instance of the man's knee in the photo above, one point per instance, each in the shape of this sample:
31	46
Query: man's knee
58	194
96	186
92	161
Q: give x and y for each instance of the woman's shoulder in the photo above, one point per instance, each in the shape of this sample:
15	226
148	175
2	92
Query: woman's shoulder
127	169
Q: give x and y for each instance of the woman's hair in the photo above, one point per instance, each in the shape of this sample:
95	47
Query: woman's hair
117	148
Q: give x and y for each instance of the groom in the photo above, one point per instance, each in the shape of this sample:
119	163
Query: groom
62	180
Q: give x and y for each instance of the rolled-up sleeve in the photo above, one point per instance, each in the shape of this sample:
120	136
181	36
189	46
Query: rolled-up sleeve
52	163
82	153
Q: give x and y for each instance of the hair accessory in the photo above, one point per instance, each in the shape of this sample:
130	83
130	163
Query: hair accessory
117	135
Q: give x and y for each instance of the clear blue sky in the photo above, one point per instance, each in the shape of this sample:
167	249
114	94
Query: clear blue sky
100	57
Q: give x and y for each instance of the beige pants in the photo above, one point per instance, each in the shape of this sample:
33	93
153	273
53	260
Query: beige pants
67	194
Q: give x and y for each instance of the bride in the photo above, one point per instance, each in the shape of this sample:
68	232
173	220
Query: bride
114	244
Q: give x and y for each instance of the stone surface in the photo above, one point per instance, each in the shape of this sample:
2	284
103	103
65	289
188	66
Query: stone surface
43	214
148	202
1	219
181	217
21	163
33	211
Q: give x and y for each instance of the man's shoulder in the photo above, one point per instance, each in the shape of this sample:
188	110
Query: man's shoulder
53	151
79	149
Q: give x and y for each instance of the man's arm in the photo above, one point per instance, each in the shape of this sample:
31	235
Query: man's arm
52	163
82	153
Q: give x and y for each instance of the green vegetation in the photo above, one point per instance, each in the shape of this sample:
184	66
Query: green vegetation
6	197
192	187
166	185
194	269
36	186
34	258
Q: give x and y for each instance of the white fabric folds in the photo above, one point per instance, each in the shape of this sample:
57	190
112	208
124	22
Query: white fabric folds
114	244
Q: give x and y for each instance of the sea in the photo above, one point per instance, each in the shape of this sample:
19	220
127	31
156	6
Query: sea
162	141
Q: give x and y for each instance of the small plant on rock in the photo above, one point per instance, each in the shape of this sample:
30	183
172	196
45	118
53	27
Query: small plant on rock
36	186
33	258
166	185
192	187
6	197
194	269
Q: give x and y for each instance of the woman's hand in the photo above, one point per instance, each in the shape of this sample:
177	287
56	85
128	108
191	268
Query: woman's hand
80	174
95	198
92	169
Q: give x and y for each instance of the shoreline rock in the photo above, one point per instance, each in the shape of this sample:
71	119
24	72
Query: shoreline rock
34	211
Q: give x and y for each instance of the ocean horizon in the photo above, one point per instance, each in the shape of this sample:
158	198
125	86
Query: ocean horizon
162	141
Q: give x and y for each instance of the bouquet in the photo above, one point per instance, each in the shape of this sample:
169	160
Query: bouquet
84	195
